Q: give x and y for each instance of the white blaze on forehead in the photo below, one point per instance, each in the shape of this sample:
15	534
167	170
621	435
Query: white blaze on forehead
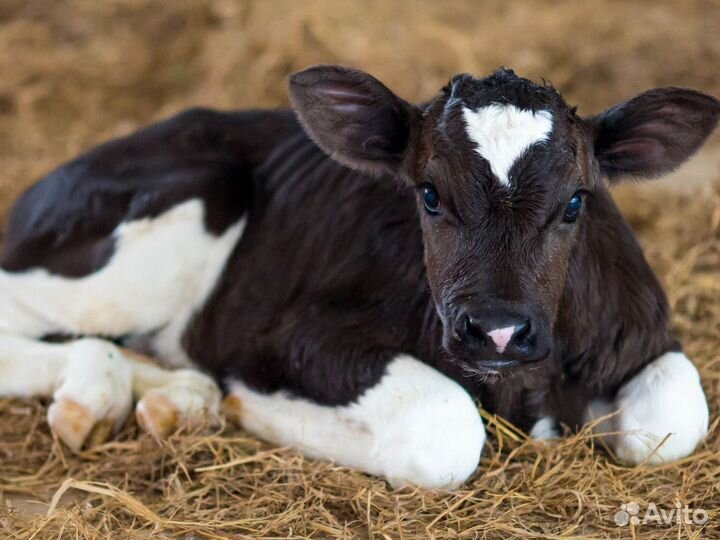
503	133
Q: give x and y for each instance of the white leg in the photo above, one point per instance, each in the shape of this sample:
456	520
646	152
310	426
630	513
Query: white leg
415	426
92	383
87	379
167	399
665	398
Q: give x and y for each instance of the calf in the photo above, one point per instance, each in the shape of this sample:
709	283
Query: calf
357	275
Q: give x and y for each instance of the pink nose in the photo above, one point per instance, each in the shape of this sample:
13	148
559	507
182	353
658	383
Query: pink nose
501	337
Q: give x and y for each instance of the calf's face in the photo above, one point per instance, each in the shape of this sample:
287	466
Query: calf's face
505	173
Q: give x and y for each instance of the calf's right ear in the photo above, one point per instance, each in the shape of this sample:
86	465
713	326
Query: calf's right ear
355	118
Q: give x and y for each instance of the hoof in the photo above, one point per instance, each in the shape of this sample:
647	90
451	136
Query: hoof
192	399
100	433
71	422
157	415
232	409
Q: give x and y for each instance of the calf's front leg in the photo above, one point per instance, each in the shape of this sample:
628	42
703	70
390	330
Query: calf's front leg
665	399
415	426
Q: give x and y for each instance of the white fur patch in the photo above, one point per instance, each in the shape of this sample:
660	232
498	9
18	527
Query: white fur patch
30	368
665	398
545	428
162	270
503	133
415	426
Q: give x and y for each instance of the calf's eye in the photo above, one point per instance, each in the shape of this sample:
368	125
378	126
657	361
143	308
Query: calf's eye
431	199
572	210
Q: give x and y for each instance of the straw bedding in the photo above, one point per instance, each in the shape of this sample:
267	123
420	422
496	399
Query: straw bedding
74	73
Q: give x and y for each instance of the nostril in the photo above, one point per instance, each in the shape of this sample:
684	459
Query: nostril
472	329
524	334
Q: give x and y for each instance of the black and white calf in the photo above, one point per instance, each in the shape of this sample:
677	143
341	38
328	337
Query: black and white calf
357	275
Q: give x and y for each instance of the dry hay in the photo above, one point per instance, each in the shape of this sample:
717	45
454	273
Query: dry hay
77	72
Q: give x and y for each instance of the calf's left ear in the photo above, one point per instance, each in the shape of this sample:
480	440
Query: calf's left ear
654	132
355	118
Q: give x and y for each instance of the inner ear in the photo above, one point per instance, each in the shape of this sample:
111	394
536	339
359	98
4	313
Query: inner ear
355	118
653	133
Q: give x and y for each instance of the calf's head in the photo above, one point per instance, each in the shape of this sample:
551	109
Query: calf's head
505	173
